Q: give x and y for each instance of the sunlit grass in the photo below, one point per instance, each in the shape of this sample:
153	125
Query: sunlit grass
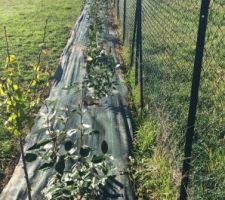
25	21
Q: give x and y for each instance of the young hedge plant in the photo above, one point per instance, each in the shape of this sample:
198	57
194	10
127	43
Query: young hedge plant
19	100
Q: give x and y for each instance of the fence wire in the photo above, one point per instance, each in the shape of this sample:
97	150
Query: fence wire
209	148
169	46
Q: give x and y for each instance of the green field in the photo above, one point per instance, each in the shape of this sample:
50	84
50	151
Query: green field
24	21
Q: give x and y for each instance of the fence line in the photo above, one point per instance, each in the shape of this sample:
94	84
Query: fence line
164	47
194	96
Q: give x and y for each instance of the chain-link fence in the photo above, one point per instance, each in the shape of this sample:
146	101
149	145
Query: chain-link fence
170	50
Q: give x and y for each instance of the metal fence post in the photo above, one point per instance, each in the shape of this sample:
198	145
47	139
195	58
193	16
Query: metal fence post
140	56
124	20
118	9
134	38
139	64
194	96
137	80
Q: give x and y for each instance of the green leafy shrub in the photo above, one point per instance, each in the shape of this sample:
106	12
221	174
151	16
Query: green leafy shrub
90	170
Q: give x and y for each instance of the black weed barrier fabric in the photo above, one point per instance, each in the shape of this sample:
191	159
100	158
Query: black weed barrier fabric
110	117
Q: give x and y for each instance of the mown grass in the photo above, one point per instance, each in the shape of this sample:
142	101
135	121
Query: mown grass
25	21
169	38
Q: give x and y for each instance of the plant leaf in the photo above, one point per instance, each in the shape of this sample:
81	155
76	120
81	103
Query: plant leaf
92	132
68	145
85	151
86	126
98	159
40	144
30	157
104	147
71	132
46	166
60	165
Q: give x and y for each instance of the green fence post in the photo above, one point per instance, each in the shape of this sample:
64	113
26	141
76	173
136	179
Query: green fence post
194	96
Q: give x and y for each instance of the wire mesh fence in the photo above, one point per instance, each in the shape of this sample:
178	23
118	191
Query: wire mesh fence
169	38
209	149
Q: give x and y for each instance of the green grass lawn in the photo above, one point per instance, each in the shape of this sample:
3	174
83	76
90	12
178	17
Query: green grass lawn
25	21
